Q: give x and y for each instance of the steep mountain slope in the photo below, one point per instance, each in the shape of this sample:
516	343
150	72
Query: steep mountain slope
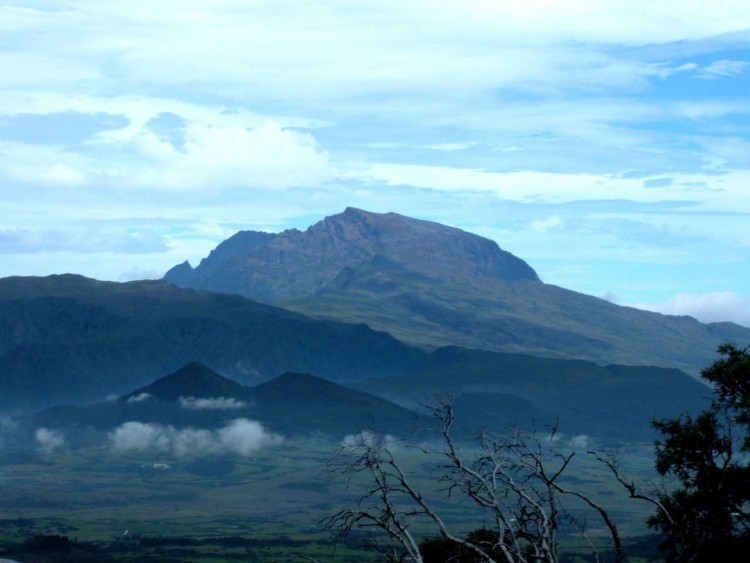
432	285
197	397
72	339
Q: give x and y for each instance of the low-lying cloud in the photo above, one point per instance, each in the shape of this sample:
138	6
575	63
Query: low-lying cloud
139	398
49	441
370	439
211	403
580	441
241	436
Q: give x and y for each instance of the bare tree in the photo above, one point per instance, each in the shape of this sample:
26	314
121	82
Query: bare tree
513	481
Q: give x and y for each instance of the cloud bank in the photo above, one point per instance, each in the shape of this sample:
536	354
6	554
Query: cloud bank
241	436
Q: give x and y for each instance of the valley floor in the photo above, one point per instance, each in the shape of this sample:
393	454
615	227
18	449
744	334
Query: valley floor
266	507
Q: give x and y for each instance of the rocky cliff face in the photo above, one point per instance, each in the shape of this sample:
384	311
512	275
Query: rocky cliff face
295	263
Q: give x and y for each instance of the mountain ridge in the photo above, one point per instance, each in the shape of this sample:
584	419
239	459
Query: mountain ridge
80	339
303	262
430	286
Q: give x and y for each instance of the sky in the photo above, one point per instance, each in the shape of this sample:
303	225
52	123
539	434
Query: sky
605	142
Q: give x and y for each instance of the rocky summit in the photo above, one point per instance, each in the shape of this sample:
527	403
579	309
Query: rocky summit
292	264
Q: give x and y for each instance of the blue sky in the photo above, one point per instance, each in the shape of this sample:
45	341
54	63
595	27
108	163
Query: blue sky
607	143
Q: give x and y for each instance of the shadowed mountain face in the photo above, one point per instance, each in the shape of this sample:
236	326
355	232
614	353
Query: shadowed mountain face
72	339
432	285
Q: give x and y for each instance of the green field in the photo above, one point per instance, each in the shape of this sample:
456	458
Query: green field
270	505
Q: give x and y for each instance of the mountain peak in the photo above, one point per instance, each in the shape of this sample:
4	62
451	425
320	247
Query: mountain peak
296	263
192	380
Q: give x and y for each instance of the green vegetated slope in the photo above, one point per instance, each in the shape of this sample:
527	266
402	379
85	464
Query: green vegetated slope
497	391
513	316
72	339
432	285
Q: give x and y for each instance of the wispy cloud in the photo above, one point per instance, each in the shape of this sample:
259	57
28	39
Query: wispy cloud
84	241
724	68
211	403
139	398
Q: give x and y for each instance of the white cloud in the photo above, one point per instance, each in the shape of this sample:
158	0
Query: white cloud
719	306
268	156
580	441
240	436
544	225
63	174
724	68
244	436
29	70
450	147
369	439
139	398
634	22
213	158
335	51
713	192
212	403
49	440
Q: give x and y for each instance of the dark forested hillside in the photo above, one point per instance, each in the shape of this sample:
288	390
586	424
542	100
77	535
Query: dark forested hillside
72	339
